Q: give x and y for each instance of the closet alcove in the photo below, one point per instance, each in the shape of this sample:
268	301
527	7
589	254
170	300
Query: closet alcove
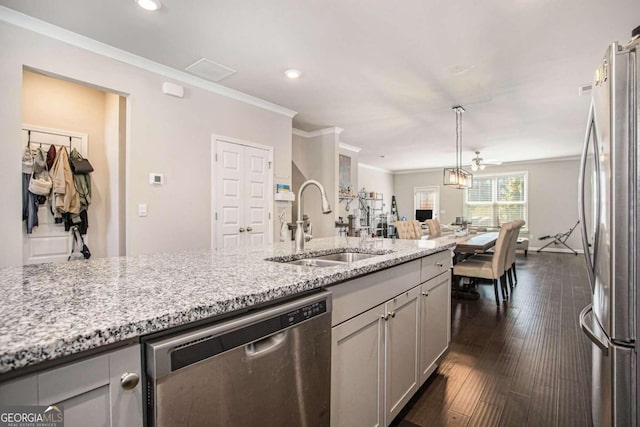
67	113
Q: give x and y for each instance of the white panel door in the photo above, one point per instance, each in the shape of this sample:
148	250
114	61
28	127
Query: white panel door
242	195
230	194
49	242
257	204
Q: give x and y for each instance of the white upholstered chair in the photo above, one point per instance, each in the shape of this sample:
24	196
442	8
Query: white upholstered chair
490	268
434	227
408	229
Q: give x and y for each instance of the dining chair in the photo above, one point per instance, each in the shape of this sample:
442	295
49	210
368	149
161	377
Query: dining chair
408	229
510	260
434	227
490	268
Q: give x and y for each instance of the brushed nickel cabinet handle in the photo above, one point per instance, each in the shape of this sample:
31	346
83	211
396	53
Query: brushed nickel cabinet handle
440	264
129	380
385	318
426	294
392	313
249	229
241	230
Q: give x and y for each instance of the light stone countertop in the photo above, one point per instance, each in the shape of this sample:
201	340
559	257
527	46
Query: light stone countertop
52	310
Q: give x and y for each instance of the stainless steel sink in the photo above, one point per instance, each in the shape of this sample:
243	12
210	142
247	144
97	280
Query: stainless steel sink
346	257
331	260
314	262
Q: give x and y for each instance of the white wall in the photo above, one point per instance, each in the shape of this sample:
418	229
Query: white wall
553	196
317	158
379	181
165	134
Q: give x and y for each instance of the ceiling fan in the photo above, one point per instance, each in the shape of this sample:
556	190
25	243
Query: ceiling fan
478	163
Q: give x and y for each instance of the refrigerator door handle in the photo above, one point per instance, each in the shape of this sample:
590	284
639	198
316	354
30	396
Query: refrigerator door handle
581	198
585	317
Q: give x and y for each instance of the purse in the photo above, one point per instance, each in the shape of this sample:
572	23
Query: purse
27	161
79	165
84	253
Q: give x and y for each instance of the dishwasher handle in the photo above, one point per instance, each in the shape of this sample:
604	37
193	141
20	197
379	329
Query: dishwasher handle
265	345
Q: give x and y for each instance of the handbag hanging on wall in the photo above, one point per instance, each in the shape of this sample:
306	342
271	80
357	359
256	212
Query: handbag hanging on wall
83	252
79	165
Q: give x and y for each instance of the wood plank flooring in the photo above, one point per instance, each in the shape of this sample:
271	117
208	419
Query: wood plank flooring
524	364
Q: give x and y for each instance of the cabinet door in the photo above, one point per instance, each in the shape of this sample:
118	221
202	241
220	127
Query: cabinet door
435	322
89	390
357	370
401	350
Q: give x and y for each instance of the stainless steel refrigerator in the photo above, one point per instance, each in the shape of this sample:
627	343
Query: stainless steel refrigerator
609	205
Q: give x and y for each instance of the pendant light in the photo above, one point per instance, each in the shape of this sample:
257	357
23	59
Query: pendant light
458	177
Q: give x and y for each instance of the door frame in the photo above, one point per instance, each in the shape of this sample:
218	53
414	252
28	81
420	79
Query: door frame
214	178
61	133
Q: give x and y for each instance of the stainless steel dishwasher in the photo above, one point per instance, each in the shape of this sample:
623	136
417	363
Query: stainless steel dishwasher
271	367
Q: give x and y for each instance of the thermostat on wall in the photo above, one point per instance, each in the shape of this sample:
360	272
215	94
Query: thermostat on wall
156	178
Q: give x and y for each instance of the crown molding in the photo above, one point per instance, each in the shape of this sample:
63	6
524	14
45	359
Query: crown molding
349	147
375	168
74	39
319	132
515	163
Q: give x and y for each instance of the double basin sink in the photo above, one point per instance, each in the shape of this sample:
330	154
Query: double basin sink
331	260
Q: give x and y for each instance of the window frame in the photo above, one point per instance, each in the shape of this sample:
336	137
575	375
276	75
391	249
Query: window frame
494	203
436	204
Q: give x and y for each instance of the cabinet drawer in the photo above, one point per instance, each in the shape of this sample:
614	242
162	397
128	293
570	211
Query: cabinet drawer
359	295
435	264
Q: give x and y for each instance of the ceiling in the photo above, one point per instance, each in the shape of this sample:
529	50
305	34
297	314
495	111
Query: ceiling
387	72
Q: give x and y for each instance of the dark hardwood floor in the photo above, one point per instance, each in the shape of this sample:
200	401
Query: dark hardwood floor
524	364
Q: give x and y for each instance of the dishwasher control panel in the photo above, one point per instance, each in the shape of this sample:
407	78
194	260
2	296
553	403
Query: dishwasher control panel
303	313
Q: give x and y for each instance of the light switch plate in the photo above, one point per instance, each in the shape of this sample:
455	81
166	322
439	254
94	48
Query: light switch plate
142	209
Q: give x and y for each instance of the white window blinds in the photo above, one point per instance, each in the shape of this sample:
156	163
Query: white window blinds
496	199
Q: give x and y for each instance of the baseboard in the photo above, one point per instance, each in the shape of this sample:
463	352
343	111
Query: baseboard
552	249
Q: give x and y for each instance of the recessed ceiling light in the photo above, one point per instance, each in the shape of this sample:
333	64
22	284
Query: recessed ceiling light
293	74
151	5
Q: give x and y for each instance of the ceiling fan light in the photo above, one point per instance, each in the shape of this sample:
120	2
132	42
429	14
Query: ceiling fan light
474	166
482	167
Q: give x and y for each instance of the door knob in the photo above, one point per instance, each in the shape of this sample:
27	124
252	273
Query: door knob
249	229
241	230
129	380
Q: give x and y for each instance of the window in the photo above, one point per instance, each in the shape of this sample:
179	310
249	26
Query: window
425	202
496	199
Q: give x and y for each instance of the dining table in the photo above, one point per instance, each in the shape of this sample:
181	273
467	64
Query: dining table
467	246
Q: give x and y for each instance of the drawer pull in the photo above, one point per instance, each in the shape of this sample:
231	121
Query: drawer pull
426	294
385	318
392	313
440	264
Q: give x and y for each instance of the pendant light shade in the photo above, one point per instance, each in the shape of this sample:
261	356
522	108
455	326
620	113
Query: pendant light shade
458	177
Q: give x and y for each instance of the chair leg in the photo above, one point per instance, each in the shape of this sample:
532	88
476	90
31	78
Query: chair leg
510	277
505	286
495	290
515	276
501	282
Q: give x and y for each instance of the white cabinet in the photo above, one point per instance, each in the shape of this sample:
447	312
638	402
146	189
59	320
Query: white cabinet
386	338
91	390
435	322
374	366
357	370
401	350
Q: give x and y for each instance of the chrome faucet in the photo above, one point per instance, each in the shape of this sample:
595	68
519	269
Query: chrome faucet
326	209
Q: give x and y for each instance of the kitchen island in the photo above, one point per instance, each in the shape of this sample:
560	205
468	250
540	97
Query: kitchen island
59	312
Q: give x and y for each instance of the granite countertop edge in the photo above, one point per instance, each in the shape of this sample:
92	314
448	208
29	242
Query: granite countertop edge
31	354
